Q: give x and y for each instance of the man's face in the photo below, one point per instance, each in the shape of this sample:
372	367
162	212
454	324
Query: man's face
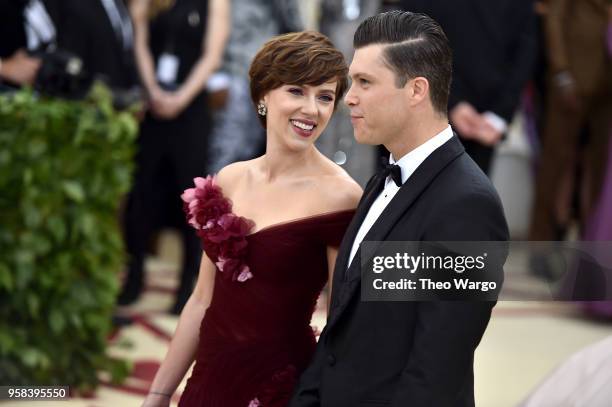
379	109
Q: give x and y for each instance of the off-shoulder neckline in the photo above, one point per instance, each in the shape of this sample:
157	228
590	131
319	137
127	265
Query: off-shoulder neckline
296	220
282	224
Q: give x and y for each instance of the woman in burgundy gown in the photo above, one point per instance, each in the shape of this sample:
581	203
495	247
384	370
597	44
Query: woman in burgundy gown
270	228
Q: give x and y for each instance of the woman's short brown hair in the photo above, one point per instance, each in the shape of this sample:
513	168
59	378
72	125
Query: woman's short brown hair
302	58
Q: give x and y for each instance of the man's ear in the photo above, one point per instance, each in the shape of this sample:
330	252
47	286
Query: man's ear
418	90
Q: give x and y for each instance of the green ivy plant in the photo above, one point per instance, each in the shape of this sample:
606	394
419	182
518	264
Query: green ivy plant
64	167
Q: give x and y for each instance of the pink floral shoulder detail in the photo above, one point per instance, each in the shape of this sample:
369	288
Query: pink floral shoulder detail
222	232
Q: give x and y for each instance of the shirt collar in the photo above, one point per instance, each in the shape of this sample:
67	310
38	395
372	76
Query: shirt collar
411	161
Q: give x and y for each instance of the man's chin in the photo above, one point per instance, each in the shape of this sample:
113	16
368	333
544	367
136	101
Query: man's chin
364	139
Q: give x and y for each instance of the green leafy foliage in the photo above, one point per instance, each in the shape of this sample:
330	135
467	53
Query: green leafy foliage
64	166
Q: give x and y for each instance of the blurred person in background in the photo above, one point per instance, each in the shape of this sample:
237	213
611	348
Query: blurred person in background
599	224
17	66
178	44
579	110
100	33
583	379
59	47
236	134
494	47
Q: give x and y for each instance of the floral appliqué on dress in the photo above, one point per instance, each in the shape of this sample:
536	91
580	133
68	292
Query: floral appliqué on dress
223	234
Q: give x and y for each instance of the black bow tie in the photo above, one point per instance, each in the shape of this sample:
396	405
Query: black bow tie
393	170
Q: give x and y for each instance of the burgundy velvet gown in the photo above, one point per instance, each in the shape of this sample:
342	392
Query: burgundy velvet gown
256	338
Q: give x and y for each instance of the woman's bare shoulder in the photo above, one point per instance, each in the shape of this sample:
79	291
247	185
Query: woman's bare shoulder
339	191
231	175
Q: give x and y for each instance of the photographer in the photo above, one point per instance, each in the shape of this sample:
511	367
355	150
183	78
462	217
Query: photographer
60	46
17	66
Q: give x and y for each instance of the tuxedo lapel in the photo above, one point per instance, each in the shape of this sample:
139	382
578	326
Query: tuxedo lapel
411	190
408	193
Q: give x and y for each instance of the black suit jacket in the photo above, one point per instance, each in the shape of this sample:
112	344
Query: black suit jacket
407	353
494	45
11	27
84	28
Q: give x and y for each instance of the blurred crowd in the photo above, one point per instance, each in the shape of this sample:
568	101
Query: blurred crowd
187	61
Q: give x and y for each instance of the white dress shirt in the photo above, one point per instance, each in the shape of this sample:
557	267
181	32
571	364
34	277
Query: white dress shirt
408	163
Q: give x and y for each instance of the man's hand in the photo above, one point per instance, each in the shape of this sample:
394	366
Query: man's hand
570	99
566	88
20	68
473	125
466	120
487	134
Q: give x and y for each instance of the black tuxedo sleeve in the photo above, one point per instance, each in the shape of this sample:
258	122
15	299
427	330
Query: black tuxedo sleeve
11	28
440	367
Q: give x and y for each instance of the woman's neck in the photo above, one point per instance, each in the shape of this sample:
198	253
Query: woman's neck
279	163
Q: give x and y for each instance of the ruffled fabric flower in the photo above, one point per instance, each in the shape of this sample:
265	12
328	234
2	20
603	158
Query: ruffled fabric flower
223	234
277	391
205	202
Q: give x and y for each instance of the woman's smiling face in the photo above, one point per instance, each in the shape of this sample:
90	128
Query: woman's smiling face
298	114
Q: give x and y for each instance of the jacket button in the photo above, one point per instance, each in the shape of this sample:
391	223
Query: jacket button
331	360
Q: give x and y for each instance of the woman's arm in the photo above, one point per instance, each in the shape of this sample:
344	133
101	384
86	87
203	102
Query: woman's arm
217	33
139	10
181	352
342	194
185	341
332	254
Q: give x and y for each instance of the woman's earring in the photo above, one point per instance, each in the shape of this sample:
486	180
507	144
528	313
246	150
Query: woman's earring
261	109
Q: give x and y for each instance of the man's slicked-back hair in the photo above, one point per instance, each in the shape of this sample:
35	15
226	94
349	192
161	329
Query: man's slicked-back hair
417	46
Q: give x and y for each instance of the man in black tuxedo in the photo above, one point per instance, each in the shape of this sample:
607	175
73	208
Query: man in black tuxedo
404	353
494	45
